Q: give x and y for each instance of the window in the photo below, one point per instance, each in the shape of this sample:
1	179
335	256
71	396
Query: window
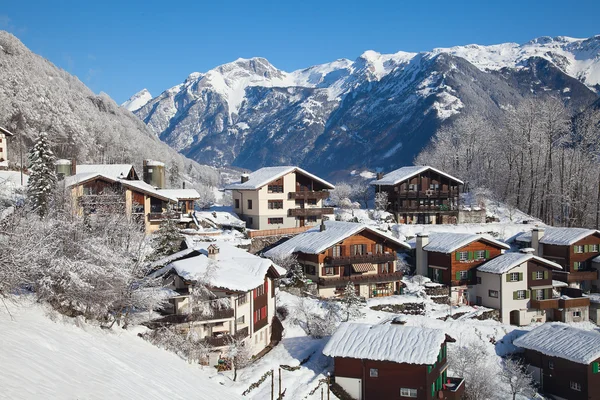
539	294
275	221
521	294
576	314
373	372
275	204
406	392
514	277
576	386
479	280
378	248
464	275
480	254
312	202
550	364
593	248
241	320
358	249
577	265
237	203
434	186
329	271
539	275
337	251
310	270
578	249
275	188
249	204
493	293
259	291
463	255
242	299
412	187
384	268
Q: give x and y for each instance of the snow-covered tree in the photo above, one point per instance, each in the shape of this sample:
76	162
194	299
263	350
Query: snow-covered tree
239	353
351	303
167	240
515	375
472	362
207	195
42	175
381	201
174	178
342	191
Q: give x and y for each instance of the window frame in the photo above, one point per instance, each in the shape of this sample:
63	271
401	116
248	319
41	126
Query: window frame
249	204
237	203
274	220
512	275
537	275
578	247
576	313
493	291
275	188
575	386
523	292
242	298
327	269
550	364
408	392
464	275
337	249
479	255
275	204
373	373
460	256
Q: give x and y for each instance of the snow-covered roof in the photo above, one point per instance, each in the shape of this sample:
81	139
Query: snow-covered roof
154	163
173	257
505	262
148	189
560	340
138	185
315	241
181	194
235	268
113	170
79	178
386	342
446	242
559	236
261	177
6	132
404	173
221	218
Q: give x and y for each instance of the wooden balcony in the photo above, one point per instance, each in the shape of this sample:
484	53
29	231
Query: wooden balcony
359	278
360	258
454	389
309	212
560	303
578	276
163	216
544	304
308	194
214	315
429	194
428	208
225	339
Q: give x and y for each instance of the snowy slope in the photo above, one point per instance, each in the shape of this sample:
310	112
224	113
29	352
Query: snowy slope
42	359
138	100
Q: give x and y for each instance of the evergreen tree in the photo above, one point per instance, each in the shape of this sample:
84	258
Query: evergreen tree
351	303
42	175
174	174
167	240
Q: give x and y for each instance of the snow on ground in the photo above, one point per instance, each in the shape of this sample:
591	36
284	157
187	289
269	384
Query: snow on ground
43	359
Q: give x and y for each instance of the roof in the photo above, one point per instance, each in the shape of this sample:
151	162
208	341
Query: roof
148	189
113	170
261	177
79	178
560	340
559	236
235	268
386	342
404	173
181	194
505	262
315	241
447	242
6	132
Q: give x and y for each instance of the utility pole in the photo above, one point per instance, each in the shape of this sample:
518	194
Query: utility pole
272	384
279	383
328	384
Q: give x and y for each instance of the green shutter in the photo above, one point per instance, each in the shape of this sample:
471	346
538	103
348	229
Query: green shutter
595	368
457	256
508	277
458	275
527	294
429	368
533	276
487	254
520	276
586	248
433	390
469	274
470	255
546	273
515	295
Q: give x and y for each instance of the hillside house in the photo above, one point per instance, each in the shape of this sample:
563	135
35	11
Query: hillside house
391	361
452	258
572	248
242	295
521	286
336	253
563	360
4	135
280	197
421	195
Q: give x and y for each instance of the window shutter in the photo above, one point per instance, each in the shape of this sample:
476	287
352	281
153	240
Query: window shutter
457	256
508	277
533	275
527	294
433	390
470	255
595	368
428	368
469	274
546	274
586	248
520	276
487	254
515	296
458	275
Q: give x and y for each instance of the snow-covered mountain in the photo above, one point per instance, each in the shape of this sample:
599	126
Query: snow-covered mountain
137	101
377	111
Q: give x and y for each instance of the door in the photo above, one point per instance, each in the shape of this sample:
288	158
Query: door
301	221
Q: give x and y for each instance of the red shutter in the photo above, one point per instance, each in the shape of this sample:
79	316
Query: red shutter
254	293
255	317
264	312
266	286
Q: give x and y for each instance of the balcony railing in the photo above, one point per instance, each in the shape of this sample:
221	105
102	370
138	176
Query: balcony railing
308	194
163	216
360	258
544	304
375	278
225	339
309	212
427	208
560	303
578	276
453	389
422	194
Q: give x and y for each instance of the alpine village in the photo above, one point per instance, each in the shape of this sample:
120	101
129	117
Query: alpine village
127	270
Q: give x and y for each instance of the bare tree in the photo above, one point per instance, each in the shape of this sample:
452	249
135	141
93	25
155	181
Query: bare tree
515	375
239	353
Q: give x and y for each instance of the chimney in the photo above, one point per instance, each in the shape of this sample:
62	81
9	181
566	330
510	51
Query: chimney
213	251
379	176
421	255
536	235
528	250
245	178
322	227
73	166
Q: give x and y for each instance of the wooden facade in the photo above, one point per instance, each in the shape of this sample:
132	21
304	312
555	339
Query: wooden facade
567	257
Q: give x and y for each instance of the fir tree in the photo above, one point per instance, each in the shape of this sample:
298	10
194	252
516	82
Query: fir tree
167	240
42	175
351	303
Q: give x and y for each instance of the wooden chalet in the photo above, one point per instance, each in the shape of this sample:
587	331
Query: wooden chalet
421	195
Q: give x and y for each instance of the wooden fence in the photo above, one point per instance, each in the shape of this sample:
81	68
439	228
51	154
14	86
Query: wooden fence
278	232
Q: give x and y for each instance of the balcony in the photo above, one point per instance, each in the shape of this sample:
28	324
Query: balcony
153	216
560	303
308	194
360	258
427	208
431	194
544	304
358	278
309	212
578	276
453	389
225	339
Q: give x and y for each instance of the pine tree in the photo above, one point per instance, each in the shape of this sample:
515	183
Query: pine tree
42	175
167	240
351	303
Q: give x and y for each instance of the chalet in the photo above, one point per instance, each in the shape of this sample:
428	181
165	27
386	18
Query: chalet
563	360
336	253
4	135
452	258
280	197
241	302
391	361
521	286
421	195
186	199
572	248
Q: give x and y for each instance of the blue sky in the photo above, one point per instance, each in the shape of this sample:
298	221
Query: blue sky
120	47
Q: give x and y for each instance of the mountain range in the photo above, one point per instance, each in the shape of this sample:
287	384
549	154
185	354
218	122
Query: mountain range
377	111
